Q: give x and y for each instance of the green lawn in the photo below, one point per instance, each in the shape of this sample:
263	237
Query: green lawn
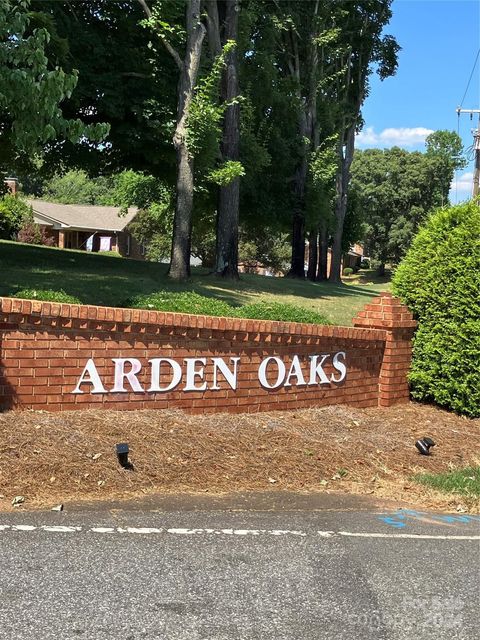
106	280
465	482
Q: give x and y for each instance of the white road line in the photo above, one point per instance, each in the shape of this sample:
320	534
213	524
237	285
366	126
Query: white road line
408	536
143	530
25	528
60	529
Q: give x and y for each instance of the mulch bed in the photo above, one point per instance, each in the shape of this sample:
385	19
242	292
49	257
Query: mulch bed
59	457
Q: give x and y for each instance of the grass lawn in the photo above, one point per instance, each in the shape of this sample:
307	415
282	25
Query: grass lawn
109	281
465	482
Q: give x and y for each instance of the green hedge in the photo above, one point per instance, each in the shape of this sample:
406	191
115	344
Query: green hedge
47	295
279	311
191	302
180	302
439	280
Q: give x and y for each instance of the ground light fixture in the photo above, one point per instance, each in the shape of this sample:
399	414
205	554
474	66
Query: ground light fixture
122	449
423	445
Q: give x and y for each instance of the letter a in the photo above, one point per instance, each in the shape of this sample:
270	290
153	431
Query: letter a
93	379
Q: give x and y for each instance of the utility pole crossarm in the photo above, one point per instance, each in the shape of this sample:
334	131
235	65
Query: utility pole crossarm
476	148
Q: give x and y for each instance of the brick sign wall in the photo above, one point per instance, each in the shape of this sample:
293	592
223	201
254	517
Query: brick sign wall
61	357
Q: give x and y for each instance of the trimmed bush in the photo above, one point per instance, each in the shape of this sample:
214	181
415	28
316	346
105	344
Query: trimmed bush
32	233
181	302
47	295
439	280
13	213
347	271
110	254
191	302
278	311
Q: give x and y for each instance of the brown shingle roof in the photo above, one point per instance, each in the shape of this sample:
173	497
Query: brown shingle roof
81	216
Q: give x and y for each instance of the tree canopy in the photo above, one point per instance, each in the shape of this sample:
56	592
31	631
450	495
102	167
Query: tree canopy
245	111
396	189
33	84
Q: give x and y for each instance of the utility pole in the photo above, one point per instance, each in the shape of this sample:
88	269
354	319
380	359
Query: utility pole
476	150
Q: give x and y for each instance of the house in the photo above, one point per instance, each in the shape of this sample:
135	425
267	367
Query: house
88	227
352	258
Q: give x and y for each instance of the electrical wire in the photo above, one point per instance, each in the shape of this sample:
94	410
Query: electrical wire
470	151
470	78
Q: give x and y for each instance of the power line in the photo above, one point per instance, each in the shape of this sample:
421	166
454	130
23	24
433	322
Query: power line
471	76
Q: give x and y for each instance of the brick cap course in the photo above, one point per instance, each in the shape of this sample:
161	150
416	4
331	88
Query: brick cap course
385	312
32	310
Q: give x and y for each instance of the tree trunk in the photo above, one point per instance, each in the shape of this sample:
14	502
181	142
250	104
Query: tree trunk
312	255
182	223
297	264
229	195
343	177
188	72
322	273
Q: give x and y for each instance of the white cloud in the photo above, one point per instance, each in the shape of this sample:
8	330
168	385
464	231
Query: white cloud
461	187
393	137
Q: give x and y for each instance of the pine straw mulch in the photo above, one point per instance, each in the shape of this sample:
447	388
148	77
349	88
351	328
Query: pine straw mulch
59	457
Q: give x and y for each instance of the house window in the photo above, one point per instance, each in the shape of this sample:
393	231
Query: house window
128	249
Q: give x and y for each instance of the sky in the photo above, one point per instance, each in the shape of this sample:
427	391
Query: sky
440	40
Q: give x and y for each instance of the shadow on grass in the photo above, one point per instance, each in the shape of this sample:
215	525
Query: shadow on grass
106	280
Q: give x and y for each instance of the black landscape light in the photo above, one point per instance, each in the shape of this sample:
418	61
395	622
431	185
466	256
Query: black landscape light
424	445
122	454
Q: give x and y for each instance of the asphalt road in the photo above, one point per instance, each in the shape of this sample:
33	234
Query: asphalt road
296	572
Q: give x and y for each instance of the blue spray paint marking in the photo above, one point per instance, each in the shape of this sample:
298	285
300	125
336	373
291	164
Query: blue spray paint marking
392	522
400	518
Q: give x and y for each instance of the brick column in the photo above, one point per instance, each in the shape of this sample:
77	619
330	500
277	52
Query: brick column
61	239
388	313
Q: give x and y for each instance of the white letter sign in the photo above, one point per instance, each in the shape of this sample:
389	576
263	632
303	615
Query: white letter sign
193	373
339	366
317	370
93	379
155	380
216	373
230	376
262	372
131	376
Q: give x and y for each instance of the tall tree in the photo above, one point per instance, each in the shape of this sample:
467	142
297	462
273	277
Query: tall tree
395	189
223	16
365	48
445	148
188	69
298	27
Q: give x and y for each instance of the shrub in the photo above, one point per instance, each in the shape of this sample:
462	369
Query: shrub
110	254
439	280
181	302
47	295
347	271
279	311
32	233
13	212
365	264
191	302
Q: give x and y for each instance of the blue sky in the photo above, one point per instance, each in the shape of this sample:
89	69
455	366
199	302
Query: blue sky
439	40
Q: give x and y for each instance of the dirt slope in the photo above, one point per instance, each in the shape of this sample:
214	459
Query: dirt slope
52	458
